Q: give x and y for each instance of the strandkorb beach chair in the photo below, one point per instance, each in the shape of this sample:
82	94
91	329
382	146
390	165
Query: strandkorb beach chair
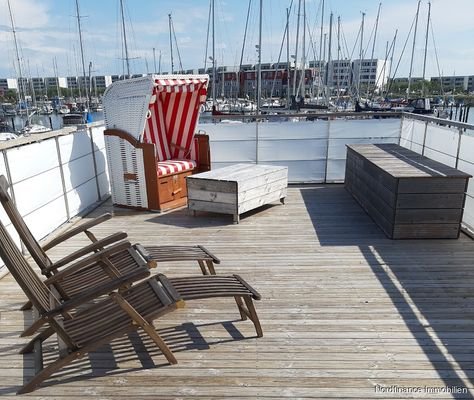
150	139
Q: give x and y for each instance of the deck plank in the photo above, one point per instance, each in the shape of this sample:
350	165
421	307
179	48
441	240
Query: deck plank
343	309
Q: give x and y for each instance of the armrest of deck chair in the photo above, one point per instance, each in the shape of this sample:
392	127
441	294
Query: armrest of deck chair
83	227
106	288
88	261
93	247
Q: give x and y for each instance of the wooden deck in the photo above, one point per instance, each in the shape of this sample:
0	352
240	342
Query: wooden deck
346	312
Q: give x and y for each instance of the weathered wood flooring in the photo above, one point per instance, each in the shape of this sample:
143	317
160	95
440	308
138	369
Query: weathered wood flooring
346	313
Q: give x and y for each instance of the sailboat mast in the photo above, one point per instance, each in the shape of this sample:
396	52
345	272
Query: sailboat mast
171	44
55	68
288	66
329	58
21	88
243	45
259	68
154	61
303	57
297	43
392	53
127	58
413	49
373	45
214	69
82	54
426	46
338	52
361	54
320	49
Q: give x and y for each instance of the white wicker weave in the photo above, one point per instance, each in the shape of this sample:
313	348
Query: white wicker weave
122	159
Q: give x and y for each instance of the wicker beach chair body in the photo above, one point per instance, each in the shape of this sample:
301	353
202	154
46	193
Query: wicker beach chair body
150	139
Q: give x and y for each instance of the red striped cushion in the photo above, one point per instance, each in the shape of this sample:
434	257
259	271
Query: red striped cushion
172	166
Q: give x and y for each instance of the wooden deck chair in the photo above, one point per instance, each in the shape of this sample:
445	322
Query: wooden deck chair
89	327
135	308
204	257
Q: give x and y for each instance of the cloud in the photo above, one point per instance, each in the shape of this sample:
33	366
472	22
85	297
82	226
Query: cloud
27	14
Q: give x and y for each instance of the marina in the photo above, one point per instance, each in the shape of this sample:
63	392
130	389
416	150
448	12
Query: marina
294	221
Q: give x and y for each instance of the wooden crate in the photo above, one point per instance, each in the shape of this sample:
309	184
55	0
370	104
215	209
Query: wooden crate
406	194
237	189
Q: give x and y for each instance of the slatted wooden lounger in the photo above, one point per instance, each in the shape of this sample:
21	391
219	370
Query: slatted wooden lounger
104	270
84	330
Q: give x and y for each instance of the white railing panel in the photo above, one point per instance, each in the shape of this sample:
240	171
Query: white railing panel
3	215
74	146
292	150
406	132
468	216
303	171
344	132
3	171
232	151
294	130
468	168
364	128
47	218
78	172
441	144
82	197
32	159
466	150
230	131
412	134
337	149
466	161
35	192
76	155
101	160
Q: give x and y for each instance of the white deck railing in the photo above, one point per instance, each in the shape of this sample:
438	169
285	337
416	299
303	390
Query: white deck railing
451	143
56	176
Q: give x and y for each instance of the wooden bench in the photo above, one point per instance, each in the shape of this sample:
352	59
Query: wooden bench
406	194
237	189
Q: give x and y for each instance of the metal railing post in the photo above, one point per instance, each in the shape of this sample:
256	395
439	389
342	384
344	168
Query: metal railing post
458	150
327	151
400	130
63	180
256	141
96	174
424	139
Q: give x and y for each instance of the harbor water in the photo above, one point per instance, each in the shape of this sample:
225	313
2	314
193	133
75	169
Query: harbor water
53	121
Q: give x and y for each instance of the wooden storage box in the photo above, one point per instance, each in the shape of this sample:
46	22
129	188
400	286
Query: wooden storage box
237	189
406	194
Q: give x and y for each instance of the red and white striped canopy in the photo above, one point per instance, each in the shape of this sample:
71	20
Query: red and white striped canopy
173	115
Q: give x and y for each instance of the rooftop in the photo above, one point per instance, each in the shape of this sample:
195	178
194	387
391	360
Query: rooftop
345	312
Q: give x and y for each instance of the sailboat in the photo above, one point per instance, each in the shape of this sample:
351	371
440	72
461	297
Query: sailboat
29	128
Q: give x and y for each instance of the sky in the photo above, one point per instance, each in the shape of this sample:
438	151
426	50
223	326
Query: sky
47	31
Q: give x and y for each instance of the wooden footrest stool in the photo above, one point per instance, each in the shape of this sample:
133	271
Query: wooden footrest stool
205	259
